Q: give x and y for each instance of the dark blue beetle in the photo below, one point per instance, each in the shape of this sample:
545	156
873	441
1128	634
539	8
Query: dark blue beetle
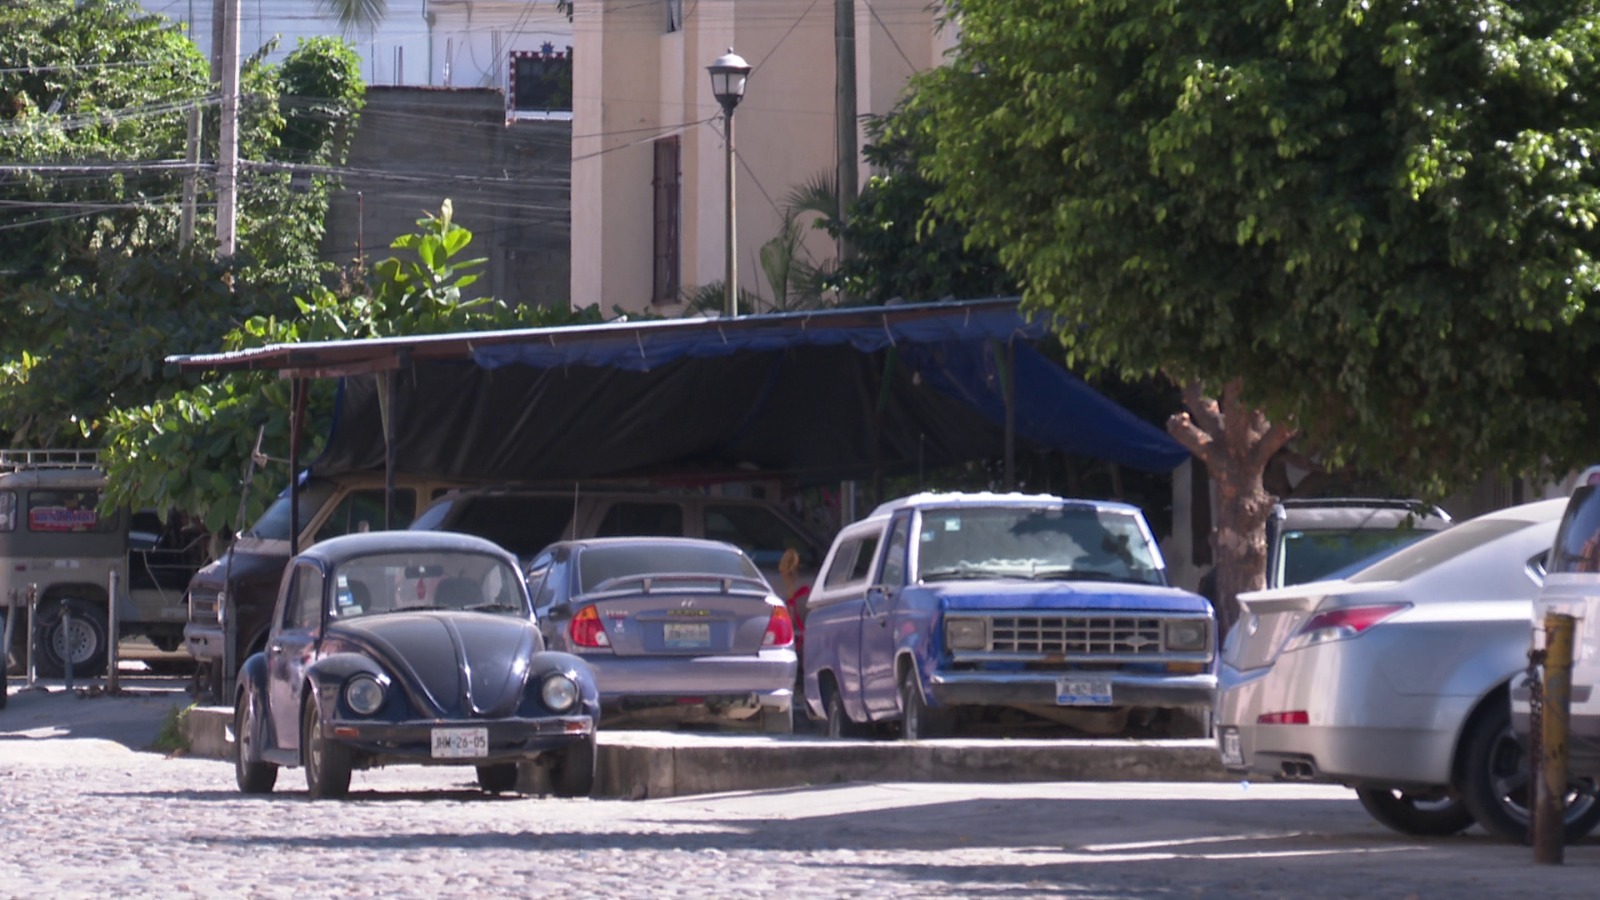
411	647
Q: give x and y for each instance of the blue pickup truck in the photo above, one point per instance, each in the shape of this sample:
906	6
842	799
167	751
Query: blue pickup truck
940	607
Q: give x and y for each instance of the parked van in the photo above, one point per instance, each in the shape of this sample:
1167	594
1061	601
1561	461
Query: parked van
1572	586
234	595
243	583
525	521
1309	539
56	542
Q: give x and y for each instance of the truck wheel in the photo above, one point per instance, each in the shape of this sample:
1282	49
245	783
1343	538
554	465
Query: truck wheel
86	642
917	721
1497	784
840	725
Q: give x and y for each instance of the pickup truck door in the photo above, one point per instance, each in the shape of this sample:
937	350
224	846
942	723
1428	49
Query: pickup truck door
878	689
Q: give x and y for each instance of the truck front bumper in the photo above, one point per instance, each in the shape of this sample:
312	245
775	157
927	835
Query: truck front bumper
1145	690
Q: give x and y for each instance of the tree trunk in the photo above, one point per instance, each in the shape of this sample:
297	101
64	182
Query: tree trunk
1235	443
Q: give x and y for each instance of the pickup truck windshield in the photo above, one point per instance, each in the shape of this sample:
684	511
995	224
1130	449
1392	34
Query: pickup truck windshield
274	523
1056	543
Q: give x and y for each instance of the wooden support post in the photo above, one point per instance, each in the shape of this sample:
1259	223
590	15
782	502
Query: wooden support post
1550	769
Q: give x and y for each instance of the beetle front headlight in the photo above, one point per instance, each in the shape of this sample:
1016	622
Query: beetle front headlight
559	692
364	694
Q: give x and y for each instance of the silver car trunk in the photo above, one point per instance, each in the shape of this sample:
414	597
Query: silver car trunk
684	615
1266	620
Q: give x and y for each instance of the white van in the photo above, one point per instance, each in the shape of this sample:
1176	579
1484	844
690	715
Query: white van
1572	586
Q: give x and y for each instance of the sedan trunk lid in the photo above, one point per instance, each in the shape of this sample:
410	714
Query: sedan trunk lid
685	615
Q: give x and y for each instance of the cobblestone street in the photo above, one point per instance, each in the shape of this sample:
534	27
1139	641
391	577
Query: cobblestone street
92	818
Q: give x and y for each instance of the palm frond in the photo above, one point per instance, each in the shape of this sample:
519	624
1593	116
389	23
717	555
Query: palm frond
356	15
818	194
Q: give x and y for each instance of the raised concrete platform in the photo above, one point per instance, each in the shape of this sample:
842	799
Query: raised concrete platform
640	764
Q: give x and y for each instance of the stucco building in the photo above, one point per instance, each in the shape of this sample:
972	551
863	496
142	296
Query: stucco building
649	165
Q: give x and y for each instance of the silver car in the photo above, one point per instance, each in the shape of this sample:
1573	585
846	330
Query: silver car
1394	680
677	630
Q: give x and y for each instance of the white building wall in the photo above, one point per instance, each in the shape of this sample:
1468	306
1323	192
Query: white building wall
459	43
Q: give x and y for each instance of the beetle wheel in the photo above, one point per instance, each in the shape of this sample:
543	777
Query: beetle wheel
328	763
253	775
497	779
572	769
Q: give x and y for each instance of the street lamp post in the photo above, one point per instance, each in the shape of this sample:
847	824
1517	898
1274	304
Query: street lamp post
728	76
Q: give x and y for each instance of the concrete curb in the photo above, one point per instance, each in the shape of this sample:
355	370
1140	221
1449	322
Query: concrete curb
654	764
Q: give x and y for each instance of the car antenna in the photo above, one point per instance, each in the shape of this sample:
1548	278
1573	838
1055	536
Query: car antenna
572	523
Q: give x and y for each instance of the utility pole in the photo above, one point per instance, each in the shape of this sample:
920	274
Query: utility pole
190	176
228	144
844	39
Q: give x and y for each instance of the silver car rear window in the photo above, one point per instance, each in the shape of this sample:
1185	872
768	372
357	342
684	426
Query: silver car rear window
1412	561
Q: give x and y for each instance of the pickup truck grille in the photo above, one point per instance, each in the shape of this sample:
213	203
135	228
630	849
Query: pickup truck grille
1076	635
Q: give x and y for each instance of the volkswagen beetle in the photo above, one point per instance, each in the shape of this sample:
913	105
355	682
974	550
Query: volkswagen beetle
410	647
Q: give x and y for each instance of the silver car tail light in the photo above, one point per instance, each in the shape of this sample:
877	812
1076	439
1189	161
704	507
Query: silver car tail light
1339	624
780	628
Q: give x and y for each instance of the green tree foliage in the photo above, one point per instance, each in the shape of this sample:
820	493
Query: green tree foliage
95	288
902	247
1370	222
85	86
186	450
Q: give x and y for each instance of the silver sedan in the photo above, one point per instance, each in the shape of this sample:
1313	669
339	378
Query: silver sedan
1394	680
678	631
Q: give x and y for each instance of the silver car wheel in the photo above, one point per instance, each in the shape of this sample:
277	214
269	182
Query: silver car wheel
1496	784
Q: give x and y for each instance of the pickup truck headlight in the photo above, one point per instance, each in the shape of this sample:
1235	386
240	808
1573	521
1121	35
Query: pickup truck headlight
966	634
1189	635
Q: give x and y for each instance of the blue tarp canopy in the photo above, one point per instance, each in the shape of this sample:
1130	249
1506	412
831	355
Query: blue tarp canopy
808	395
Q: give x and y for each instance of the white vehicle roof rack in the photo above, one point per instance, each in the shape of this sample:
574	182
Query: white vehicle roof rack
17	460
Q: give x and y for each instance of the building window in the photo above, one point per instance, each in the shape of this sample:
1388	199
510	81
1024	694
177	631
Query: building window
541	84
667	201
674	15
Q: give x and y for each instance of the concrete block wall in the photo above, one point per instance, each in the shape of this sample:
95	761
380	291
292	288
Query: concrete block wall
510	184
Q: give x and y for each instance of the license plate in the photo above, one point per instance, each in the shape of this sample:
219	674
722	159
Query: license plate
680	635
1231	754
1081	691
460	743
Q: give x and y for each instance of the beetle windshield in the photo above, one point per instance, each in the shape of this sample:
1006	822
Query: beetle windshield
1068	543
402	582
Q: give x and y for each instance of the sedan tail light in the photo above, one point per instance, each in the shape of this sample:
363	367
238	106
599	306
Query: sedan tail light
586	630
780	628
1338	624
